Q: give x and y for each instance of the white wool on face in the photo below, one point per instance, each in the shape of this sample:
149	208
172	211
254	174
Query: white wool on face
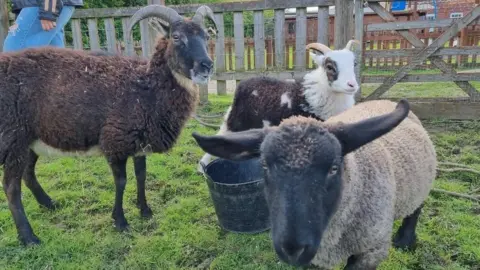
255	93
266	123
346	70
322	101
286	100
327	99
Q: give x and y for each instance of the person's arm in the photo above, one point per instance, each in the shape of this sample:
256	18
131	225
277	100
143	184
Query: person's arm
49	9
48	13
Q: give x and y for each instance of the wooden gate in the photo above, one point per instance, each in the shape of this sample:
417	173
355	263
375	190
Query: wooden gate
434	52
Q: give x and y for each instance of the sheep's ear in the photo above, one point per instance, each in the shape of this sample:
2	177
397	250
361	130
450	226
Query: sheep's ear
317	58
162	27
241	145
354	136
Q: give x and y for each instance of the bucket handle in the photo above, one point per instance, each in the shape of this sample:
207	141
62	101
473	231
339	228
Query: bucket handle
204	169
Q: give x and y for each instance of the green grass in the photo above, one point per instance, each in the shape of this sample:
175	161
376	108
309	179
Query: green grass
184	233
420	90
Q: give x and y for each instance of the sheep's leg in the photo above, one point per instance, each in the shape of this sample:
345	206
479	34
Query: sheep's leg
119	171
140	165
368	260
12	183
406	237
31	182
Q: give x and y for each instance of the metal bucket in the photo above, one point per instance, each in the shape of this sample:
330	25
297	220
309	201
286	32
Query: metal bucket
236	189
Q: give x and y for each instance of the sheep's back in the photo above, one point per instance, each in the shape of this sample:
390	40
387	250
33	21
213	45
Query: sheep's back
67	92
410	150
57	72
258	101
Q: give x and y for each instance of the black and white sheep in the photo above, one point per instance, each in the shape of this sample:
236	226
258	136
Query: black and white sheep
321	93
116	106
335	188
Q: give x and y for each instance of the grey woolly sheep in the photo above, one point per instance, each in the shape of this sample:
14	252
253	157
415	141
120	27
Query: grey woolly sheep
114	106
321	93
335	188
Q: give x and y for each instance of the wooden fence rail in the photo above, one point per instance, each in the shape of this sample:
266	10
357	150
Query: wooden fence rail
267	42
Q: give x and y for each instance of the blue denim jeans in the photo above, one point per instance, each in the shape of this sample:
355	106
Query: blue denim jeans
27	31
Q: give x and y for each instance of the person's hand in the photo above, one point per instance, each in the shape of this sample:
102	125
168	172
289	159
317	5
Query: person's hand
48	25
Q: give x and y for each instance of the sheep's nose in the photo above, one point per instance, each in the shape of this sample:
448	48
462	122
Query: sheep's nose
351	84
294	250
208	64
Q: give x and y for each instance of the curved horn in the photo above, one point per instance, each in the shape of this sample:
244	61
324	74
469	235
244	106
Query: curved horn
165	13
319	47
201	13
350	43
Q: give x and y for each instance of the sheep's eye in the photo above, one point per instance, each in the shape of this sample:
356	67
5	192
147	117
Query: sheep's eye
330	67
333	170
355	63
176	38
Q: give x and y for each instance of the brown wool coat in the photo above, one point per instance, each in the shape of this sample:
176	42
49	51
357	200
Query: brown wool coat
254	105
121	105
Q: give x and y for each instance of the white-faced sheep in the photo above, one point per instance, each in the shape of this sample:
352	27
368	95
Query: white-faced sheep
115	106
335	188
321	93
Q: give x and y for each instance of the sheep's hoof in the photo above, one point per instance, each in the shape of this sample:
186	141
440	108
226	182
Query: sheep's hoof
146	212
122	226
31	240
51	205
120	222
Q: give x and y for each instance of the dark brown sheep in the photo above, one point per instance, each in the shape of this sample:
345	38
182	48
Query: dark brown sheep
59	102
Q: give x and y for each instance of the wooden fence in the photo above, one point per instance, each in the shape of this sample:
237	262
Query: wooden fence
388	46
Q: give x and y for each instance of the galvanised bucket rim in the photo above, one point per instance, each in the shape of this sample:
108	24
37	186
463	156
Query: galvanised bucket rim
212	163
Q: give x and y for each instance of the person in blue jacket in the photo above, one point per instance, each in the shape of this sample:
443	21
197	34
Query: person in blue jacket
39	23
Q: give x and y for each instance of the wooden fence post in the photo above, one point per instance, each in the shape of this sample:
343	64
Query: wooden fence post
323	25
300	39
3	23
342	23
151	32
220	53
279	39
359	50
239	37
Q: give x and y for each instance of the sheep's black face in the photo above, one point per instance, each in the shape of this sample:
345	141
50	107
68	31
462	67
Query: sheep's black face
189	52
303	168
